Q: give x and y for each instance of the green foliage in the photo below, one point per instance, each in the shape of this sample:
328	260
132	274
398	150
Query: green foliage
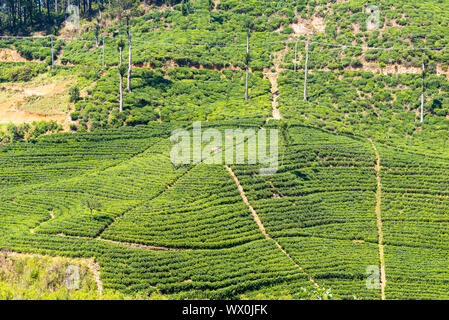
74	94
189	64
325	190
37	48
92	203
31	131
174	95
42	277
18	72
35	277
384	107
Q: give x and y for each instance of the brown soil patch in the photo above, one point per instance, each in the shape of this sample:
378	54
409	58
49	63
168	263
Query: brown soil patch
389	69
273	77
10	108
308	26
9	55
441	71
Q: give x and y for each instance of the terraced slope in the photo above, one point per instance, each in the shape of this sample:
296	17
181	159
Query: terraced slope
320	207
416	224
187	233
47	217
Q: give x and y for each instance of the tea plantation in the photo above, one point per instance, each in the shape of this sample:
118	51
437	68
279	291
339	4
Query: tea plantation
358	207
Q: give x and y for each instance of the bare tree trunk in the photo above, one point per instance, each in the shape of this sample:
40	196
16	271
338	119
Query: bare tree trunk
129	56
306	71
121	81
52	53
56	6
247	68
422	94
102	63
47	3
121	93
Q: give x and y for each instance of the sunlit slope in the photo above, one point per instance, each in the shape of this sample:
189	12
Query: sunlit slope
416	224
185	230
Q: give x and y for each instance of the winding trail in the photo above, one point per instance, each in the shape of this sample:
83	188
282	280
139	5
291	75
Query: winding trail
140	246
125	244
273	77
383	279
261	226
95	267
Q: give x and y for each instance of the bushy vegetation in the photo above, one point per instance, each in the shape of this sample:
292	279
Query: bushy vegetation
47	204
320	204
203	210
35	277
385	107
321	200
18	72
173	95
31	277
184	231
28	131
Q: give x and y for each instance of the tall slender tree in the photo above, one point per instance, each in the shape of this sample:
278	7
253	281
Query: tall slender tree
248	24
211	5
247	67
306	70
97	33
129	55
122	69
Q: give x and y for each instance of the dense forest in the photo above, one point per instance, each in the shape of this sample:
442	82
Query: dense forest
26	16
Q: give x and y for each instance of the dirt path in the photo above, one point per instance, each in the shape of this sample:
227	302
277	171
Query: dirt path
261	226
302	27
273	77
140	246
245	200
52	216
378	168
125	244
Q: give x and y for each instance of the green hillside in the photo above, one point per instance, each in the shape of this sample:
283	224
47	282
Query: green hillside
198	239
361	180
